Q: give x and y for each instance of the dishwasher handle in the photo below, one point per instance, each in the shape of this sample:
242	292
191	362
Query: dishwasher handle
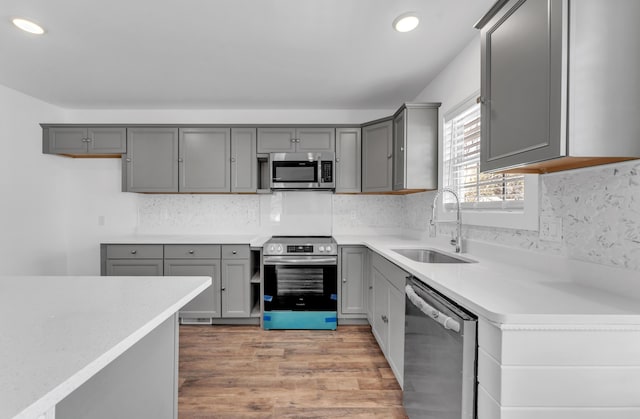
446	321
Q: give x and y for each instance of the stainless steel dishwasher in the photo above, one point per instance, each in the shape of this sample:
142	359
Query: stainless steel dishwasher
440	351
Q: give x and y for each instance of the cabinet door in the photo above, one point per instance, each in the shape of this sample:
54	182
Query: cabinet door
151	162
276	140
236	288
207	304
522	85
67	140
380	312
396	332
315	139
354	290
377	156
399	147
348	160
205	159
244	162
106	140
134	267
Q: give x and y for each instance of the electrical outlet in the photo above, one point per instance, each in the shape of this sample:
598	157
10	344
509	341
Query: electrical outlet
551	228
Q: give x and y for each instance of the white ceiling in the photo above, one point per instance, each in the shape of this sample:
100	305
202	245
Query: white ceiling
230	54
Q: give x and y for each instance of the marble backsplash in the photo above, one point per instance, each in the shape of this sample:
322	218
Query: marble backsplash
599	208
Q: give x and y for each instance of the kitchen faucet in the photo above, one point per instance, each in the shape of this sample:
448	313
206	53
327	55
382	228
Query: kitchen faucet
457	242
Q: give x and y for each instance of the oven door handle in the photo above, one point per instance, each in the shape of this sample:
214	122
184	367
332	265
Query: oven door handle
300	260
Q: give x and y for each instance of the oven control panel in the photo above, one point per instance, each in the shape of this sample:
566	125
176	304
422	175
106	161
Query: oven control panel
300	248
283	248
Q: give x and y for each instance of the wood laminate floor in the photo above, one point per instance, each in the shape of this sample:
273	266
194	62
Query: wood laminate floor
247	372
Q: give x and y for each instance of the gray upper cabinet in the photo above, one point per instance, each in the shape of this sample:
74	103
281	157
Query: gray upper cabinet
555	83
151	162
78	141
287	139
276	140
244	163
415	147
348	160
377	155
205	160
190	160
315	139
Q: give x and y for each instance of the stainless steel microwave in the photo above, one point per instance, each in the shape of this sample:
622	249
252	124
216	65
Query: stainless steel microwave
305	171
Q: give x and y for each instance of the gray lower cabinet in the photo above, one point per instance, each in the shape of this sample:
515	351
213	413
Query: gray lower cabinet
388	311
540	62
415	147
353	285
230	266
196	260
85	140
137	267
133	260
348	160
377	157
236	288
151	162
236	281
289	139
244	166
205	160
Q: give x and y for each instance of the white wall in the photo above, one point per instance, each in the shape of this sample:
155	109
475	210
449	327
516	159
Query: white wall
33	208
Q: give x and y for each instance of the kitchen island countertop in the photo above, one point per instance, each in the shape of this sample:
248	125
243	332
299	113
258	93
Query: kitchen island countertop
59	331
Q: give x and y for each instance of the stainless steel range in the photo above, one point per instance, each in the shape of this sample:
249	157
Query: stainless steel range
300	282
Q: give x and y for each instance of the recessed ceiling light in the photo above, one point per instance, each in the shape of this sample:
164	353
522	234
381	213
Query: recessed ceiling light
28	26
406	22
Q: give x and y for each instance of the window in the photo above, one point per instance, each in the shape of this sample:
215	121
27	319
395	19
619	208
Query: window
487	199
461	158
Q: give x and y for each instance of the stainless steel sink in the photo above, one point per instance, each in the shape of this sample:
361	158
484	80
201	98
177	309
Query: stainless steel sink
424	255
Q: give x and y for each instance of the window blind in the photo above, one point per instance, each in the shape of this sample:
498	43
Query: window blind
461	159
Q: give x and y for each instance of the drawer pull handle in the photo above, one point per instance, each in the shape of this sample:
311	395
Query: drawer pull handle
234	252
344	280
133	252
223	288
191	252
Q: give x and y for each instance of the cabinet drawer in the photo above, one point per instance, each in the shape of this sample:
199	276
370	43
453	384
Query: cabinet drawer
235	251
134	251
192	251
396	276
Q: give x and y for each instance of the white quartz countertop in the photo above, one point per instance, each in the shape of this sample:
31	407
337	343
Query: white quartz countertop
510	286
251	240
57	332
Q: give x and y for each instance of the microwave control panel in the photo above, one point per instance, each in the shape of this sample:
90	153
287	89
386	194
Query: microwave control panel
327	171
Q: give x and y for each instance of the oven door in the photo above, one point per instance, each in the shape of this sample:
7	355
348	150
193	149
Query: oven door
300	283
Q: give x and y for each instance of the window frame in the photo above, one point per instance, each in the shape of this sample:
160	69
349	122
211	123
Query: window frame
523	217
